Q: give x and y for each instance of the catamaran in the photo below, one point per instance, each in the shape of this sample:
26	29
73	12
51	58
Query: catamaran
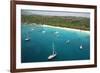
53	55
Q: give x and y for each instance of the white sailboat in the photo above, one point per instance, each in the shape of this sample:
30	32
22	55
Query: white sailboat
81	46
53	55
43	31
43	27
32	29
67	41
28	33
27	39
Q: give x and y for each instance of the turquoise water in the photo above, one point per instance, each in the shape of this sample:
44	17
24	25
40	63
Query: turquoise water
39	47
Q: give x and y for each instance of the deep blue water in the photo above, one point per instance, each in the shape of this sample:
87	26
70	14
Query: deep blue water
39	47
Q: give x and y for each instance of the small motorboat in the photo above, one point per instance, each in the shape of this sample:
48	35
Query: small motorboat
53	55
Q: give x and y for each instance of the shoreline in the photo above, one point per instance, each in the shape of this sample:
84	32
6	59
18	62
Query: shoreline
64	28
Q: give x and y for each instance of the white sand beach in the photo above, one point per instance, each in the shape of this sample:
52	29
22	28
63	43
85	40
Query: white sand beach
68	29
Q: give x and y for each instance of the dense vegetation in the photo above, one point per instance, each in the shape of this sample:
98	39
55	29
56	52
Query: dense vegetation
62	21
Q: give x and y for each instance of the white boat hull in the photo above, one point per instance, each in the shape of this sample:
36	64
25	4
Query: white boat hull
51	56
27	39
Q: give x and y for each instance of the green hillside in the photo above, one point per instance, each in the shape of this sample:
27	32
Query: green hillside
62	21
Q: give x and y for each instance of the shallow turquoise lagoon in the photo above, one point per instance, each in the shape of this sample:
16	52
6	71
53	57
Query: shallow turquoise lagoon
66	43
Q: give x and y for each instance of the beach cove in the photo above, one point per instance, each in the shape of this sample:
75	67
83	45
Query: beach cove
41	38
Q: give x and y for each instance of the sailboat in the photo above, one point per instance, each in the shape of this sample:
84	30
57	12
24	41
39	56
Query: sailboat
43	31
81	46
27	39
53	55
67	41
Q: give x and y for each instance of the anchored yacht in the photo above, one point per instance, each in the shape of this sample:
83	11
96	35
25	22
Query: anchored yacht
53	55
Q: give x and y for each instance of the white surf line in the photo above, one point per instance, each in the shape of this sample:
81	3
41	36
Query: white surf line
67	28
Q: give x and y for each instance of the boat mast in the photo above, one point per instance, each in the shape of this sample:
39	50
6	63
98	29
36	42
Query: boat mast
53	48
80	40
